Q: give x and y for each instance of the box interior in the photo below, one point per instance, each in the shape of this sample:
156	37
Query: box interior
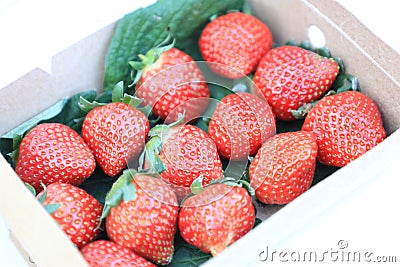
81	67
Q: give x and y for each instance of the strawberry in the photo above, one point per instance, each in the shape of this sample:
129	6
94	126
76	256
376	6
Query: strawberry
239	125
216	217
102	253
289	77
284	167
346	126
234	43
53	152
170	82
77	212
141	214
116	133
186	153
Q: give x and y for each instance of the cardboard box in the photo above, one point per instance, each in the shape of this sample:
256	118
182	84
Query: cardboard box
80	67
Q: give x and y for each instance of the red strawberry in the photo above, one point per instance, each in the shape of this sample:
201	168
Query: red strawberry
284	167
53	152
102	253
116	133
234	43
290	76
187	152
78	213
170	82
217	217
143	213
345	125
240	124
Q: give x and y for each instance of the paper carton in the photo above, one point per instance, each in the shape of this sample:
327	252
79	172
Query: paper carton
81	66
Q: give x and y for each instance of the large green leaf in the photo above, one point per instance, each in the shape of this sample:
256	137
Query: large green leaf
66	111
186	255
144	28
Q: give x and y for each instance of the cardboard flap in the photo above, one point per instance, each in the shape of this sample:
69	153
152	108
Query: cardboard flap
78	68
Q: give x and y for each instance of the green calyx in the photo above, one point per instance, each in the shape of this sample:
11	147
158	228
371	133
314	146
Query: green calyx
50	208
154	146
197	185
149	58
122	189
117	95
17	139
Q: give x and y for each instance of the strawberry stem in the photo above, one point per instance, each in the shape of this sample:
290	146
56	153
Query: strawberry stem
122	189
149	58
152	150
50	208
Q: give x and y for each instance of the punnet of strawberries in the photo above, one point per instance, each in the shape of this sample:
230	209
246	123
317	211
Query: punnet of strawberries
204	122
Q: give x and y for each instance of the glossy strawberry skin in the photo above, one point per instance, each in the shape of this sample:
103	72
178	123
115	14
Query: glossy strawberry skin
345	126
53	152
289	77
147	224
189	152
116	133
284	167
216	217
234	43
79	213
172	85
240	124
102	253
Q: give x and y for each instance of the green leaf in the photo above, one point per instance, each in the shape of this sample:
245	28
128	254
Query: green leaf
117	92
324	52
86	106
45	115
43	196
197	185
322	171
51	208
121	189
31	189
152	150
139	31
288	126
186	255
132	100
71	110
257	222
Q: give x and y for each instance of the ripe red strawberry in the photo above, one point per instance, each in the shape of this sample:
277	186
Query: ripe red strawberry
171	84
187	153
143	213
346	126
78	213
217	217
234	43
102	253
53	152
116	133
239	125
284	167
290	76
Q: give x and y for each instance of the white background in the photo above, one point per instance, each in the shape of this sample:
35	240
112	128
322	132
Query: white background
32	31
